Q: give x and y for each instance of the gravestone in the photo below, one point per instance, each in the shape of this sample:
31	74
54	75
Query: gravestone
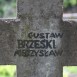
52	47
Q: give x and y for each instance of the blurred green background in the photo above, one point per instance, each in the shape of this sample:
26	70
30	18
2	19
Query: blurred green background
70	5
7	71
70	71
8	8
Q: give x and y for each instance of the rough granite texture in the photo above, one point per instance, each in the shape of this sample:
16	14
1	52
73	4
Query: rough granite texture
38	15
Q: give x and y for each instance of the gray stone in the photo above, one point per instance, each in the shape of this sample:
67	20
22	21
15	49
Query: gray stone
38	16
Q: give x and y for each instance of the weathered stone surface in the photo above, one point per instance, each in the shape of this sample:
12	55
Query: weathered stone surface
8	34
38	16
